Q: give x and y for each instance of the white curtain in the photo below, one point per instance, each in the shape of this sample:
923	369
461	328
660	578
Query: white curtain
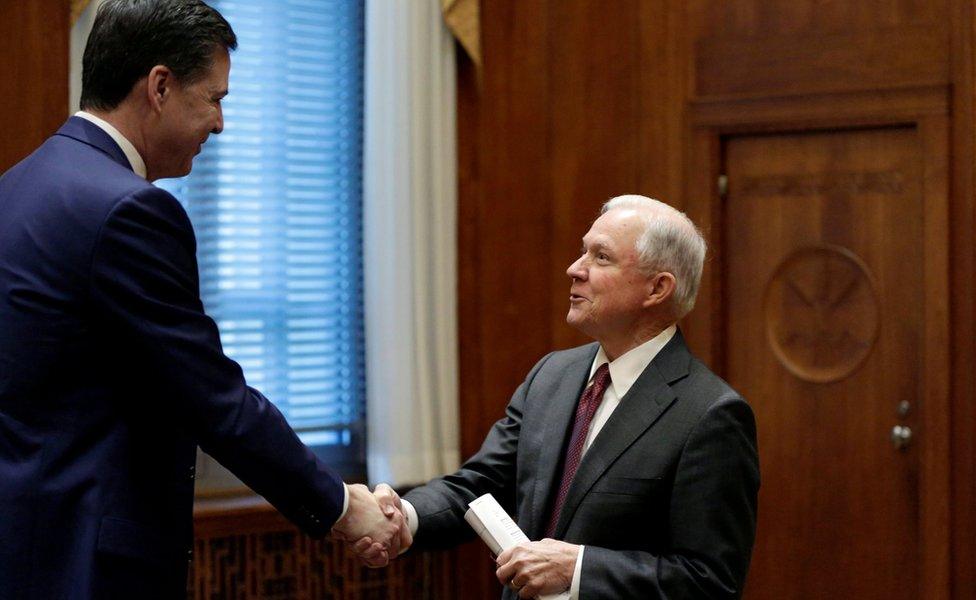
410	200
79	35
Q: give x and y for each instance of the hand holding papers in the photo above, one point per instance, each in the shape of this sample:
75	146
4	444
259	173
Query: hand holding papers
514	550
493	525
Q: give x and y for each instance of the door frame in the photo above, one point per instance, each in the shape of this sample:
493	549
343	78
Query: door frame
927	110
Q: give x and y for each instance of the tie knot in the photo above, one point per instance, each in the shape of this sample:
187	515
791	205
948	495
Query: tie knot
601	379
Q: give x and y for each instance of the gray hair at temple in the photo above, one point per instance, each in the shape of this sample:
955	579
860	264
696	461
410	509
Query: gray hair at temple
670	243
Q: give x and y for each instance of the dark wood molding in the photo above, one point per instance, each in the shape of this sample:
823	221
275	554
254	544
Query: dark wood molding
865	108
962	257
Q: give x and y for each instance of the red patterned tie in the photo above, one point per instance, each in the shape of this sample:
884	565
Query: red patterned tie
589	402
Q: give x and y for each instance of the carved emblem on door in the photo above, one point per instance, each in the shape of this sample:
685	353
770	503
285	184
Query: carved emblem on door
821	312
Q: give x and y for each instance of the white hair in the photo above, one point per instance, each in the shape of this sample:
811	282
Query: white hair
669	243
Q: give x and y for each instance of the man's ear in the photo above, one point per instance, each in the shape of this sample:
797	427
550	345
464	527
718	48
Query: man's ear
159	86
660	288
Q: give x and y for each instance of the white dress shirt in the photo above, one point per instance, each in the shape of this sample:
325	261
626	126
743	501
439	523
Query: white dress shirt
624	371
135	159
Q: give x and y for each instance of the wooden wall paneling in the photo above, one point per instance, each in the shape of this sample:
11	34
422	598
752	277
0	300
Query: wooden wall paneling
514	211
805	64
535	180
962	306
593	95
763	48
703	206
757	18
697	196
34	87
934	479
470	199
661	72
474	411
506	213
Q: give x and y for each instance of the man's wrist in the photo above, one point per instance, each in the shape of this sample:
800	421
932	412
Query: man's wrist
410	514
574	587
345	501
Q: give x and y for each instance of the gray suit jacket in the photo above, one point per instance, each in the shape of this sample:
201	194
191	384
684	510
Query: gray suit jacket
664	499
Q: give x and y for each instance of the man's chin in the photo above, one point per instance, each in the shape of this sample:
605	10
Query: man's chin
576	320
182	171
172	173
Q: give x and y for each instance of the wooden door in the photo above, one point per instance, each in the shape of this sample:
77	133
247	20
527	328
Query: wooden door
828	262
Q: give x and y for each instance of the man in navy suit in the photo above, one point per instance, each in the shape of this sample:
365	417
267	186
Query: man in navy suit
111	374
633	466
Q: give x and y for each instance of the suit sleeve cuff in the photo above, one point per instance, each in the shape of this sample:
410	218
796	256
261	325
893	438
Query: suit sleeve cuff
574	588
345	501
413	521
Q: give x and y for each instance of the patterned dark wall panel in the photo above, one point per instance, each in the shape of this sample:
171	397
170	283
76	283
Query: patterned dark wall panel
260	556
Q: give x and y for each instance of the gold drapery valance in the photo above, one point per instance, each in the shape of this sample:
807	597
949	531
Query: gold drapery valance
77	7
462	18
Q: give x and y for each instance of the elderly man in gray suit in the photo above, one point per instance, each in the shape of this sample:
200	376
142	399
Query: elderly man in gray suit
634	465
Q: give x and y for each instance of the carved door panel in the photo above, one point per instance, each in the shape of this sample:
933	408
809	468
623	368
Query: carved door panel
825	277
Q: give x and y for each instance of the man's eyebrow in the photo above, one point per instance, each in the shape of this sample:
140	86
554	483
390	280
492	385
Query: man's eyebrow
596	245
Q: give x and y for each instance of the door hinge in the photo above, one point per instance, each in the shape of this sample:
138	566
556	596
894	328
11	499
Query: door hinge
723	186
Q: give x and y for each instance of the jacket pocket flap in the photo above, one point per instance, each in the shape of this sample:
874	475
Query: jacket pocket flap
628	486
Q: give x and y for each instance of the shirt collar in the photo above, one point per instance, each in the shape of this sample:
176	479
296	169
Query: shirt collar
627	368
135	160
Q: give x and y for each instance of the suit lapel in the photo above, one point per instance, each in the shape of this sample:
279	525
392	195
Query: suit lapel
559	420
646	400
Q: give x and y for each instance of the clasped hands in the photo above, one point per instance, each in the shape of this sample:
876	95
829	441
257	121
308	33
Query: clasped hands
530	569
379	531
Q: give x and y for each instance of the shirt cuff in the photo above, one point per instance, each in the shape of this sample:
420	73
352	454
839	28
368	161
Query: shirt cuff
345	501
413	521
577	572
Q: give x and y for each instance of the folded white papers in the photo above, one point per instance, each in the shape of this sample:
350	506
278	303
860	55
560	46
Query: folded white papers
493	525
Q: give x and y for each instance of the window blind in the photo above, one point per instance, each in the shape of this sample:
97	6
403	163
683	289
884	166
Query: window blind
276	203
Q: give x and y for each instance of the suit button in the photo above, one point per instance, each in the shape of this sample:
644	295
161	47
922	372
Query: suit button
189	556
193	473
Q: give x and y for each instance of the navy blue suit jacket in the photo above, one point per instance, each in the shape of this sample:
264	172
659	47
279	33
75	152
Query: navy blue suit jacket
111	375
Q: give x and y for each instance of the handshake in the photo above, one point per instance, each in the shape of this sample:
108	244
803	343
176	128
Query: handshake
375	524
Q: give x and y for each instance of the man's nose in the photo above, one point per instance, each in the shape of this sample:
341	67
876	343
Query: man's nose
219	125
576	270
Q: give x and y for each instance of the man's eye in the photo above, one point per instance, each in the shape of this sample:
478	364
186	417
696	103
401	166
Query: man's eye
602	256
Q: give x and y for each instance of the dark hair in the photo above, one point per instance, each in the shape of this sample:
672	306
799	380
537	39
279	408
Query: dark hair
130	37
